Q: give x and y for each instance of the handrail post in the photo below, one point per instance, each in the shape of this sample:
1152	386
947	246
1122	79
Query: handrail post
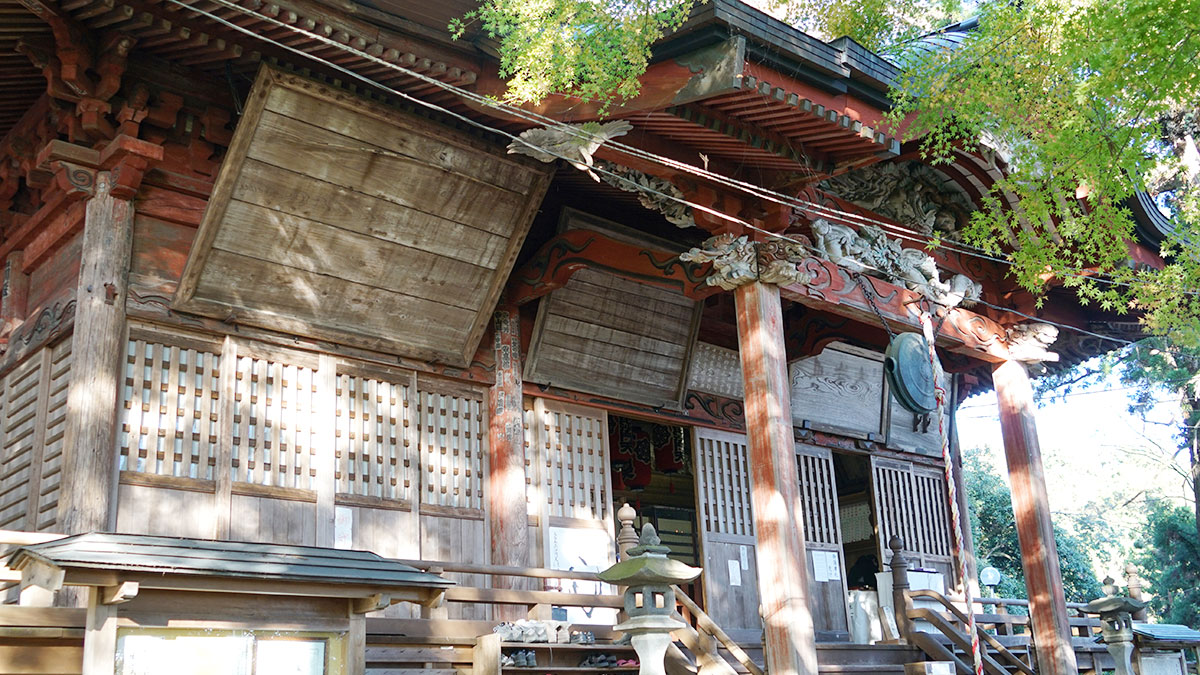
1134	588
627	538
900	587
436	607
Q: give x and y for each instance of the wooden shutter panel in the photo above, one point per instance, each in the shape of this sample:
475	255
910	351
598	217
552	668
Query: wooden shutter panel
823	542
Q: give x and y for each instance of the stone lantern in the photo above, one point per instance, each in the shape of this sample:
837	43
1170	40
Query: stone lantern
648	575
1116	618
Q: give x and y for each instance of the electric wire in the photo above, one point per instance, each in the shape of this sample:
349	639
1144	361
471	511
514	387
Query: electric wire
637	187
755	190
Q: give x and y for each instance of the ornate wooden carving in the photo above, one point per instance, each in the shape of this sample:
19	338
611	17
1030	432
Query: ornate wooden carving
736	261
53	321
834	289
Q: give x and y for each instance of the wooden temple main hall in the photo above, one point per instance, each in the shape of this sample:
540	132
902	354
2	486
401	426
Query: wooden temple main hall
316	359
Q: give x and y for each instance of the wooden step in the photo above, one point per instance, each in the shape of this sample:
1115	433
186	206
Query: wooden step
860	668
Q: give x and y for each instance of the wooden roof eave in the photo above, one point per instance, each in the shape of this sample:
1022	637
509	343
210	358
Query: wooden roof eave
73	576
708	71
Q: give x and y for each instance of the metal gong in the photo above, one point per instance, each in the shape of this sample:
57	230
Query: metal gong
906	363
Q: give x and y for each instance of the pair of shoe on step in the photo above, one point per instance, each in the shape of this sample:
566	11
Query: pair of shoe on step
601	661
524	658
583	638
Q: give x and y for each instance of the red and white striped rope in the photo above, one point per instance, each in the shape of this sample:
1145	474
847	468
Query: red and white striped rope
955	516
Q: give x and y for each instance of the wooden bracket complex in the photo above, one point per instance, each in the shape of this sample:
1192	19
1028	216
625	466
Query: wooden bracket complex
370	603
122	592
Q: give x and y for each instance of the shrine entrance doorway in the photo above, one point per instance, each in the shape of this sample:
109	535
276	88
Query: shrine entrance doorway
652	470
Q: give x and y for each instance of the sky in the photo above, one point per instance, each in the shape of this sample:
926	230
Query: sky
1092	446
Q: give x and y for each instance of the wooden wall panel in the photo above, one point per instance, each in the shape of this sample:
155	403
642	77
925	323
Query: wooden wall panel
41	656
614	337
279	521
839	390
924	440
143	509
452	536
55	277
390	532
160	250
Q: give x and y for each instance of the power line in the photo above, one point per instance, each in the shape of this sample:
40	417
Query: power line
578	133
763	193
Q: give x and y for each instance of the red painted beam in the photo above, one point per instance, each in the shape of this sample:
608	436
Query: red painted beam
833	289
574	250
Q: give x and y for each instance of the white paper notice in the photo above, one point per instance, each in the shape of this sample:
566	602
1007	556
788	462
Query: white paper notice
343	527
735	573
744	553
820	566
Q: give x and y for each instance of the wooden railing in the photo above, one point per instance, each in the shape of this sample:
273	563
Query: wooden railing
1004	622
702	633
954	624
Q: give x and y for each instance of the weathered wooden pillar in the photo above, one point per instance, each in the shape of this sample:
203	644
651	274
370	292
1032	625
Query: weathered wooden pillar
507	510
960	491
87	496
1039	553
778	512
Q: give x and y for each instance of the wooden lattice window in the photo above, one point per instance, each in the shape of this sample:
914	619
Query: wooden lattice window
533	483
169	411
453	442
725	483
573	444
818	491
911	501
273	423
376	436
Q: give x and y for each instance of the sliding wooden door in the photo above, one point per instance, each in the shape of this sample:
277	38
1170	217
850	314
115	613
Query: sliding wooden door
726	527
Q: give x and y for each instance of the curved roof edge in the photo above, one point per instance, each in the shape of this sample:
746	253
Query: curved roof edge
839	67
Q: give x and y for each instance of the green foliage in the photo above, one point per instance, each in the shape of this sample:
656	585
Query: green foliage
1072	92
996	543
591	49
875	24
1170	560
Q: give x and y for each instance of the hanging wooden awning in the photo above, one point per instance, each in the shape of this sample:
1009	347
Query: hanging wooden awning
341	218
144	562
